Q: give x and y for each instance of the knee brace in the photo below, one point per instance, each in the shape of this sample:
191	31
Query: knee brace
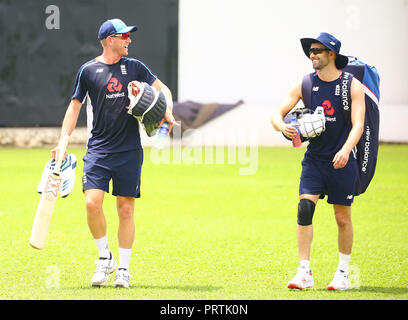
306	210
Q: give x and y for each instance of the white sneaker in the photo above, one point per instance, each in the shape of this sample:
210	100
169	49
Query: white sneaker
122	278
49	167
302	280
104	267
68	175
340	281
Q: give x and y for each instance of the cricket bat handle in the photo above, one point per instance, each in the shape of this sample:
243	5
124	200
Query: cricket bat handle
47	201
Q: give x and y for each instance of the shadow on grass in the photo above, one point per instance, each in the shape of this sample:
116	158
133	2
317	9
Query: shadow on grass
392	290
182	288
186	288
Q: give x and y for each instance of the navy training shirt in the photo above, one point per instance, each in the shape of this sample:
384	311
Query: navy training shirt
110	127
328	95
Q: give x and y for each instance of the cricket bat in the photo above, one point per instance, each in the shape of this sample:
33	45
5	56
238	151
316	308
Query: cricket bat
48	198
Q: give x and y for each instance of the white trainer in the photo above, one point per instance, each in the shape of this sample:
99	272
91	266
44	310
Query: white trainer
68	175
302	280
122	278
340	281
104	267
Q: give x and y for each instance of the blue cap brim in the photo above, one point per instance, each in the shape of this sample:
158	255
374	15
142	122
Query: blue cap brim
127	29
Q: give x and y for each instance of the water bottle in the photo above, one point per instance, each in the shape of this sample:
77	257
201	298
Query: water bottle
296	142
162	136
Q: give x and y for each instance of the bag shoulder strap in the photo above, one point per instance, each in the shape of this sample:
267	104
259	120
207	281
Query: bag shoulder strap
307	83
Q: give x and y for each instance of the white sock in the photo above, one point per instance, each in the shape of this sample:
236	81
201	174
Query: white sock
305	264
124	258
103	248
344	260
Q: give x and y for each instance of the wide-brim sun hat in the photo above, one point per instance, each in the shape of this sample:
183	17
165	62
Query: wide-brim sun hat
331	43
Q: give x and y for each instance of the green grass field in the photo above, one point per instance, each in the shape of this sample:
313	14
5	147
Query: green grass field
203	231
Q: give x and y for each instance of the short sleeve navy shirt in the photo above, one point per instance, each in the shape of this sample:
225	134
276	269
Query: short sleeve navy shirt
104	88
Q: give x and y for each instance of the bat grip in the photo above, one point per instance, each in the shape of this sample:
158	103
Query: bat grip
62	148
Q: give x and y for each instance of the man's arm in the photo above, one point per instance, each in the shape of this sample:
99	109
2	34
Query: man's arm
357	119
294	95
71	117
168	116
69	123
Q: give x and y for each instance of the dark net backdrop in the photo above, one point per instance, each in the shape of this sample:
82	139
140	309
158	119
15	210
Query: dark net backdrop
38	64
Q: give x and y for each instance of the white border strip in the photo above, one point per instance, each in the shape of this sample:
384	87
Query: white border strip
369	93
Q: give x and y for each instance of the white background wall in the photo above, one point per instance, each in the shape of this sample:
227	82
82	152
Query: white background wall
250	50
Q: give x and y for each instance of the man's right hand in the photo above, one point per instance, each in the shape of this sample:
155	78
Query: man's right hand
288	130
55	152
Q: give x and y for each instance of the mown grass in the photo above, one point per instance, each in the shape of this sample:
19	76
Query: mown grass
205	231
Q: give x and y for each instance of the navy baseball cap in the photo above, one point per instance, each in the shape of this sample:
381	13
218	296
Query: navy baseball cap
331	43
114	26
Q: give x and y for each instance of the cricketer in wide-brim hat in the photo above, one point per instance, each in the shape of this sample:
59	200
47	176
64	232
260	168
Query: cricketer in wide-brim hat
331	43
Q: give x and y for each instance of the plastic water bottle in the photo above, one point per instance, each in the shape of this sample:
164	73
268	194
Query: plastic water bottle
296	142
162	136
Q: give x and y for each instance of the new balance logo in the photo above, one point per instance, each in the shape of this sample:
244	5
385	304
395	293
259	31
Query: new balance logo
344	93
349	197
99	70
315	89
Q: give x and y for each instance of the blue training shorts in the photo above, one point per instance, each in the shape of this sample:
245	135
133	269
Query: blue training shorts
320	177
123	168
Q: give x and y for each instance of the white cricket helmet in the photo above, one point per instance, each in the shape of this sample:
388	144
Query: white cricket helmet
312	125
